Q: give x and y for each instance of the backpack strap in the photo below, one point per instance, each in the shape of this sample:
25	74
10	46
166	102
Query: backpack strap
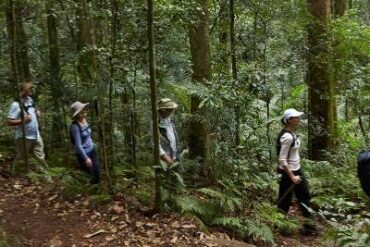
24	107
293	143
74	122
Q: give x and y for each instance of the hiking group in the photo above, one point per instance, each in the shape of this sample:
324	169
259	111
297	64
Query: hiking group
24	115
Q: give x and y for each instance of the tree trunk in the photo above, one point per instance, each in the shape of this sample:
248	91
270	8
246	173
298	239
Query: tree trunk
84	42
12	30
153	97
321	97
200	56
340	7
16	32
56	85
234	69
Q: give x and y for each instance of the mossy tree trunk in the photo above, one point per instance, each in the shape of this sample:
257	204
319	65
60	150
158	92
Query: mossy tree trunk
320	83
200	57
55	80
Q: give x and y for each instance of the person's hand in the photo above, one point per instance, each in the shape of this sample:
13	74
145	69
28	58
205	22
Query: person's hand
296	179
88	163
38	113
27	118
167	159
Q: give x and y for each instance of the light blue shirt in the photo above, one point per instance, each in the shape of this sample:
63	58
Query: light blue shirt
32	127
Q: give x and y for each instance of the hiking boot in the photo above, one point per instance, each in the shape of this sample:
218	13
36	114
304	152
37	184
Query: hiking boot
309	229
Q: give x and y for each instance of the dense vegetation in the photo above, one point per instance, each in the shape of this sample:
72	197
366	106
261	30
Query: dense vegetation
233	67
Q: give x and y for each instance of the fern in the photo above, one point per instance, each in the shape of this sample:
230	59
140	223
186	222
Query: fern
260	232
194	206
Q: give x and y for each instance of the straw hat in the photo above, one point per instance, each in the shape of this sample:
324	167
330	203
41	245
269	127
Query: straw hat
166	103
77	107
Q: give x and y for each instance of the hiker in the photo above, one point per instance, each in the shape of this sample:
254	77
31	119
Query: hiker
169	142
80	132
292	177
32	142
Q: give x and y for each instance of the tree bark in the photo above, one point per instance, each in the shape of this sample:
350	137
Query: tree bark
321	96
200	57
13	31
234	69
340	7
20	62
153	97
84	42
55	80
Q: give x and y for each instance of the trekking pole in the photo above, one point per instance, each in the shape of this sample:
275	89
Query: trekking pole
286	193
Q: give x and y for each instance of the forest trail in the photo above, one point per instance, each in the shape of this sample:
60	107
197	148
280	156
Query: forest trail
38	217
45	219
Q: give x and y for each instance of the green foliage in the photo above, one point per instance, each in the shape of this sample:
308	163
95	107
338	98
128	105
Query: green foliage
211	206
7	240
70	183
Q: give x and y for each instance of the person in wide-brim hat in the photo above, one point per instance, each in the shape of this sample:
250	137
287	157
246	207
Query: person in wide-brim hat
77	107
81	137
169	143
166	103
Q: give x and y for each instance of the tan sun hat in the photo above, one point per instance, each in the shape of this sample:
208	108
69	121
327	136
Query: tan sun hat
166	103
77	107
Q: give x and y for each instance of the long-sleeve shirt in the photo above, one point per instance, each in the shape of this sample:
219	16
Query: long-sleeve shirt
293	161
82	140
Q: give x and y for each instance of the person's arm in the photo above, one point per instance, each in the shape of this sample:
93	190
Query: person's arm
286	142
164	156
17	122
14	116
75	131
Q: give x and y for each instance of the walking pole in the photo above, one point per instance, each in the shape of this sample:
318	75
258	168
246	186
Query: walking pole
286	193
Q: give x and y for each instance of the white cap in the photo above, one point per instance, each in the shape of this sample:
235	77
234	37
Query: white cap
289	113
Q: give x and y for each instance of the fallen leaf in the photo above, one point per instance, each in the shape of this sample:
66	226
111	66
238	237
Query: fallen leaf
117	209
109	238
114	218
94	234
52	198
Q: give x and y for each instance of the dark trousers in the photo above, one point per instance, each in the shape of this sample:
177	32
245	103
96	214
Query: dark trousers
94	171
300	190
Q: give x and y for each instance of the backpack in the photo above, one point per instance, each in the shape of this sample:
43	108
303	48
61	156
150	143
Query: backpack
363	170
278	144
70	131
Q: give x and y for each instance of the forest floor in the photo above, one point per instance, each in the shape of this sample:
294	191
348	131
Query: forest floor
36	216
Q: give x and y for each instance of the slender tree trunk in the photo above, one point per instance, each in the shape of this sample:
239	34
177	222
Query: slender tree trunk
84	42
16	32
12	30
234	69
56	85
88	72
223	25
153	97
340	7
114	20
321	116
200	56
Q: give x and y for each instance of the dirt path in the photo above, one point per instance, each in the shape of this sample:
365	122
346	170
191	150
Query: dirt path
43	218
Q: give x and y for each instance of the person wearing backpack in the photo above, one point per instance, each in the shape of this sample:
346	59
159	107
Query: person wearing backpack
292	177
33	141
81	138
